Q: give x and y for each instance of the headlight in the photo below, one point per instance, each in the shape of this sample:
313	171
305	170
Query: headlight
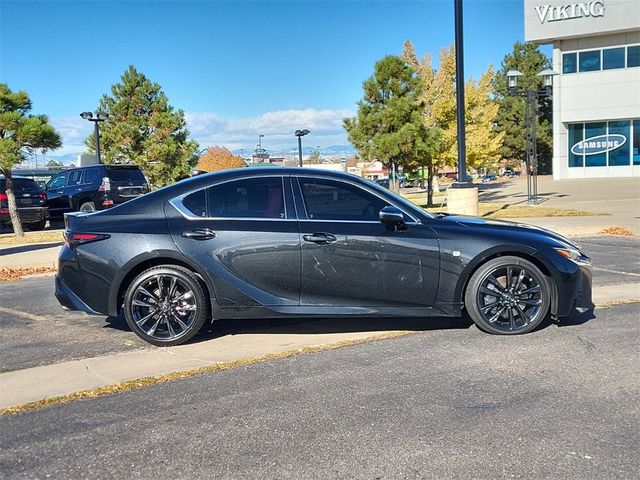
574	255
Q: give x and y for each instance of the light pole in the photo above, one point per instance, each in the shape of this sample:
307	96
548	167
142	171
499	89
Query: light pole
260	142
530	122
300	134
100	117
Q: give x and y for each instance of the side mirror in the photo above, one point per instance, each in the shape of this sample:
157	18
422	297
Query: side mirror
392	217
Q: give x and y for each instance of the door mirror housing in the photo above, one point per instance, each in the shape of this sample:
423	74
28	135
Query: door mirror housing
392	217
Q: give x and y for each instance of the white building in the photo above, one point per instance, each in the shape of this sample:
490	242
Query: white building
596	96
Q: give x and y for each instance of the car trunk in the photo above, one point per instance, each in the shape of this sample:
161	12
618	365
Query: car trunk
26	191
127	182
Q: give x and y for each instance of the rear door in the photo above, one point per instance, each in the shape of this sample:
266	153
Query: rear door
349	258
245	234
58	197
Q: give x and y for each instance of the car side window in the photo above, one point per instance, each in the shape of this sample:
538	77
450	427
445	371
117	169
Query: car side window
74	177
57	182
196	203
249	198
91	175
333	200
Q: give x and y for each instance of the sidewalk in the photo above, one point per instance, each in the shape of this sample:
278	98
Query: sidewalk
30	256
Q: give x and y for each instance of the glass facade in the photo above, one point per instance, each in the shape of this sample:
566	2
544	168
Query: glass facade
600	144
601	59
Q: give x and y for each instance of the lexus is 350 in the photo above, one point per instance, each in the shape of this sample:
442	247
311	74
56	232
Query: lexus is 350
256	243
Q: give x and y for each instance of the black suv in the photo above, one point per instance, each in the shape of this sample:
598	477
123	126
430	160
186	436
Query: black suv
30	200
95	187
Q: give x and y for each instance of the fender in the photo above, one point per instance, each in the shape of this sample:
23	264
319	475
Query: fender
154	256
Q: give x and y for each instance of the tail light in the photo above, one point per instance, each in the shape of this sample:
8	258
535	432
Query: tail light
105	186
72	239
4	203
43	196
107	203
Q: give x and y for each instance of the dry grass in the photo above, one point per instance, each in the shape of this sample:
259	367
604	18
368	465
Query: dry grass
148	381
31	237
10	274
617	231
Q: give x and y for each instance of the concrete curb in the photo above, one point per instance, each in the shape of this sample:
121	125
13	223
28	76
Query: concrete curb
38	383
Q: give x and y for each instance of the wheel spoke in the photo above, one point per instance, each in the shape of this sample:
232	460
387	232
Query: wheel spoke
489	306
488	291
525	318
519	281
509	277
494	281
534	289
172	287
141	303
183	325
533	302
152	296
512	320
184	296
153	329
159	280
143	320
497	314
172	332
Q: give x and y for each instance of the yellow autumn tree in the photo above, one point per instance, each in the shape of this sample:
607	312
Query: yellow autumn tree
438	98
218	158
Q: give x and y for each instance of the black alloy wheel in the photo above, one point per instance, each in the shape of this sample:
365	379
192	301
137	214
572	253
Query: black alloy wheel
166	305
508	296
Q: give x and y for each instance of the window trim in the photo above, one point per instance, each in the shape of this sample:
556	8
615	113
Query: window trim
414	221
176	203
601	49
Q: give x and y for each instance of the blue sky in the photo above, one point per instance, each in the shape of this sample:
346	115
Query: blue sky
237	68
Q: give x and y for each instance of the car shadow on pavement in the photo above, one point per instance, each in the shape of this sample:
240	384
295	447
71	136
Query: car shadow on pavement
28	248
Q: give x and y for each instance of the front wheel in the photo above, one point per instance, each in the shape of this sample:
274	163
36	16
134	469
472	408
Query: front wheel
507	296
166	305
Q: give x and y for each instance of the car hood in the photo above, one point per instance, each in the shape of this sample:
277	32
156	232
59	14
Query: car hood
489	222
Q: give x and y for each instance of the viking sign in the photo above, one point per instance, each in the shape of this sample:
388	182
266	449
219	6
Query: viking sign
599	144
553	13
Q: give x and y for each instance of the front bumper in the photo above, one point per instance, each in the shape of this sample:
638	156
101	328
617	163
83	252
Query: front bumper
583	300
69	300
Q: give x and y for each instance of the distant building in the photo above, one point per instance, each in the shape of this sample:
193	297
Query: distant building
596	96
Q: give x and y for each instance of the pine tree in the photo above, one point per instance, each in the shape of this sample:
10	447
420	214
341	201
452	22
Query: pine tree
528	59
20	133
388	126
142	128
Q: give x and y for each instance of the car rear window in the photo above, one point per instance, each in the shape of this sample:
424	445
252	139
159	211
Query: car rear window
126	175
19	184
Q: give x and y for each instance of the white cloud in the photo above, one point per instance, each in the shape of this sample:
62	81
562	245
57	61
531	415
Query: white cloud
210	128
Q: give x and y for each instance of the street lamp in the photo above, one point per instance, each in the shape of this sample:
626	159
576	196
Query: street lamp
100	117
530	122
300	134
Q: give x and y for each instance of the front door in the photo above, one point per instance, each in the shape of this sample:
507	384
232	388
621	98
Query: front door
245	235
349	258
58	200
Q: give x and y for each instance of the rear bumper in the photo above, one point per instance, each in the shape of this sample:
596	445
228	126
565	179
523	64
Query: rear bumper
27	215
69	300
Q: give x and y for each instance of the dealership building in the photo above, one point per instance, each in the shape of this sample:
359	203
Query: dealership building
596	94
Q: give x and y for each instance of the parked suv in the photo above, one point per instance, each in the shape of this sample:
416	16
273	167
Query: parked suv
30	200
95	187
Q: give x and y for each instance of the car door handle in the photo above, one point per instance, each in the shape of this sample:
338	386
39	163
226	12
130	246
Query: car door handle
200	234
320	237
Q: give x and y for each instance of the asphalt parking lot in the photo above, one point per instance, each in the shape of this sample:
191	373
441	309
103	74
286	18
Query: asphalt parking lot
35	330
446	403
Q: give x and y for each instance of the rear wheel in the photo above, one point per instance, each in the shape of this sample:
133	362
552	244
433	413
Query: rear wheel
37	225
88	207
508	296
166	305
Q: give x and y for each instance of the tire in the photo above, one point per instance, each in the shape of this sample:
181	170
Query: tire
37	225
174	322
88	207
503	308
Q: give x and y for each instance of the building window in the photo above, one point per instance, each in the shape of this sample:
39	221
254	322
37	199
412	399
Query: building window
613	58
633	56
590	61
620	156
575	136
603	144
635	149
569	63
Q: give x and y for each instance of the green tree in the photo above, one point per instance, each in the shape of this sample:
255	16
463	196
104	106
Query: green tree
142	128
218	158
20	134
54	163
438	101
388	126
528	59
314	158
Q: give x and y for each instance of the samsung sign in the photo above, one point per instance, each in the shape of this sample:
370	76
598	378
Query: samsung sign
599	144
553	13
